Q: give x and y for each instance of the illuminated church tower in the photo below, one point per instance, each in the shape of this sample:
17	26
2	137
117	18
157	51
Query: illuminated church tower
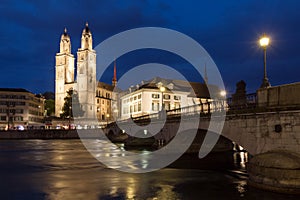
64	71
86	73
96	98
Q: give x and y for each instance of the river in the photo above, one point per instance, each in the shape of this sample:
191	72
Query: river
63	169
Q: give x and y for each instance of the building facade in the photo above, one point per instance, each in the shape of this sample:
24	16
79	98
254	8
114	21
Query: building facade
151	96
95	98
20	108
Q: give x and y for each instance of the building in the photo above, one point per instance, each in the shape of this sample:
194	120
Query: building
151	96
96	98
20	108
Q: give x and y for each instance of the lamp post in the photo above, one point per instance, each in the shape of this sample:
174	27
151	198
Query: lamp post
107	117
264	42
162	89
223	94
70	114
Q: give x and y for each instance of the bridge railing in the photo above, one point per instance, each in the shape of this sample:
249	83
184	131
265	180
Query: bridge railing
204	109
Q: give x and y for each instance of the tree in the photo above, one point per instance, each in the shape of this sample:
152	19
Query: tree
50	106
49	95
71	107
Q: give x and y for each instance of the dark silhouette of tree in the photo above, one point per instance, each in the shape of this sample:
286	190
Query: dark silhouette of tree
49	95
50	106
71	107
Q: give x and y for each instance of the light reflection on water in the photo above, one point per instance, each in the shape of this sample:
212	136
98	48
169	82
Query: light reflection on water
240	159
63	169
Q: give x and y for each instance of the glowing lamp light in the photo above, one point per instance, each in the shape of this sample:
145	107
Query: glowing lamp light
264	41
162	89
223	93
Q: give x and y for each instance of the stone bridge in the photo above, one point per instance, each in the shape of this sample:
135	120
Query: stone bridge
270	133
255	132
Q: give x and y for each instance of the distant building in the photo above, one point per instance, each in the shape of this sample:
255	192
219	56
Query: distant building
148	97
96	98
19	107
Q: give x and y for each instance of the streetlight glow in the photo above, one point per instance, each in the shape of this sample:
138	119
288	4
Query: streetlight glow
264	41
162	89
223	93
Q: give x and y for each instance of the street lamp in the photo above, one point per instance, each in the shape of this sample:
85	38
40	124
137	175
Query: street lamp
162	89
264	42
223	93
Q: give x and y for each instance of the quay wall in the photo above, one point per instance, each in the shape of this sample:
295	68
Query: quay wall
48	134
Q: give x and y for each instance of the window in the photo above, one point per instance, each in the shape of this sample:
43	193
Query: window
155	96
135	108
139	107
3	118
176	97
18	118
131	109
166	96
21	111
155	106
167	105
139	96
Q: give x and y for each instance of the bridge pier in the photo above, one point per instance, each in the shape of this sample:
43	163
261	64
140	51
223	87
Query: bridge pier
277	171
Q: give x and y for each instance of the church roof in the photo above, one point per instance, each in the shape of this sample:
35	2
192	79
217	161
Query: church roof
195	89
86	29
65	35
105	86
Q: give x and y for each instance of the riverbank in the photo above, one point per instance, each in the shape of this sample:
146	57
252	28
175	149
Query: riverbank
47	134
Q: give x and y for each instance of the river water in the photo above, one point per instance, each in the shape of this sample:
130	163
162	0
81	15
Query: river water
63	169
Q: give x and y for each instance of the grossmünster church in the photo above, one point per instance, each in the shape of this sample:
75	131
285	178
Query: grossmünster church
96	98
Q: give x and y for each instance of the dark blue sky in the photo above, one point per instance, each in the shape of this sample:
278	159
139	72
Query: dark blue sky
228	30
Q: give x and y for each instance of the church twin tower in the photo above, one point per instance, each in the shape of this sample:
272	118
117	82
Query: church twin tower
85	83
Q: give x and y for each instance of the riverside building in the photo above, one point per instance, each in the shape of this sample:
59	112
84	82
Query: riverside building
20	109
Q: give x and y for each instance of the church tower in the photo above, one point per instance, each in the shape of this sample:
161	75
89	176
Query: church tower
64	71
86	73
114	80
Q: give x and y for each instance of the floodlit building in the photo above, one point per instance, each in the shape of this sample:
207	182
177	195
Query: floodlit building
20	109
151	96
95	98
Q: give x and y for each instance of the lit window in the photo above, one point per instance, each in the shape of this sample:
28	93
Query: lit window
155	96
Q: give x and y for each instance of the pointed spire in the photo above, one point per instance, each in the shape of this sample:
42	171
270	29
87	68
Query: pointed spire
65	30
86	24
114	80
205	75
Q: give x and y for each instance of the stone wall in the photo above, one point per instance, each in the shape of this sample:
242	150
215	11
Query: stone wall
279	96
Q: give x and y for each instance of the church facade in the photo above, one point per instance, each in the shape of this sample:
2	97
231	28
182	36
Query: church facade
96	98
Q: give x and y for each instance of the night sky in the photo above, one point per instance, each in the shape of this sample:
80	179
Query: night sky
228	30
